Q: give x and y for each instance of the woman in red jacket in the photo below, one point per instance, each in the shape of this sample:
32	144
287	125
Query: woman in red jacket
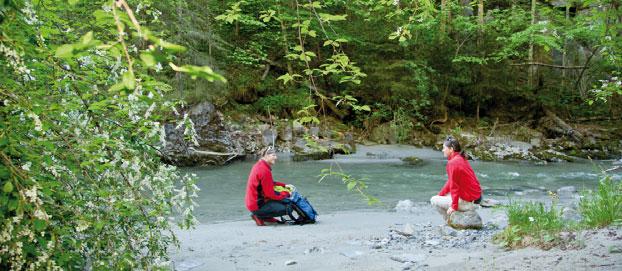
462	190
261	199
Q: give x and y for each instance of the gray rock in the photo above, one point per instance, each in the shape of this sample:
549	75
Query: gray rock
217	142
432	242
269	136
412	160
490	203
448	231
298	128
615	249
409	229
314	250
290	262
465	220
567	236
287	133
314	131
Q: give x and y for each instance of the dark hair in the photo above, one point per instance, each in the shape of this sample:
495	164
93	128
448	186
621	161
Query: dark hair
267	150
451	142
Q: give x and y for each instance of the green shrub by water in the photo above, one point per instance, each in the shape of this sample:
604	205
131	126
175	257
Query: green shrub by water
603	207
530	224
535	224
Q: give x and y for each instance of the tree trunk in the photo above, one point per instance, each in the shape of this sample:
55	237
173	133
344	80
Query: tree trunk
443	14
564	60
531	67
290	70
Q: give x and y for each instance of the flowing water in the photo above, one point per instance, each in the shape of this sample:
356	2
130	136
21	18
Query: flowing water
222	188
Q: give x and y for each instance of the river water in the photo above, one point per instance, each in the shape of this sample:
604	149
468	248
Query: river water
390	180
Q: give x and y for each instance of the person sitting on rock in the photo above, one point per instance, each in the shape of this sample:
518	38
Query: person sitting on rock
462	190
261	199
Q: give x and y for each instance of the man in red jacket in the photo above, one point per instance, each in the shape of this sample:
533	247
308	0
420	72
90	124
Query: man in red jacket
261	199
462	190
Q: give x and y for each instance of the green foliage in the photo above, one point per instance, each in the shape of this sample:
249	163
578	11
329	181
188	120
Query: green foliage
352	183
604	206
81	126
287	102
402	125
530	224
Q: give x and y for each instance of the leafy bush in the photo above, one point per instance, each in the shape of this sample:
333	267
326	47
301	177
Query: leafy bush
81	182
604	206
282	103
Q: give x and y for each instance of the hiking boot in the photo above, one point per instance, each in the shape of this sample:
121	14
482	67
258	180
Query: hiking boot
258	220
273	220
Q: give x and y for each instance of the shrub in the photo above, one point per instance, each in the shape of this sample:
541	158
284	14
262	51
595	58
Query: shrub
604	206
530	224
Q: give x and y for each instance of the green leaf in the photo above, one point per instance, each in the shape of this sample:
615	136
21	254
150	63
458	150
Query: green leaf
286	78
171	46
4	172
39	225
129	81
148	59
64	51
87	38
204	72
73	2
8	187
351	185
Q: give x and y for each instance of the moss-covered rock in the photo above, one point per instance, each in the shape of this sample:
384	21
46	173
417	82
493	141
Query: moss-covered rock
412	160
550	155
383	134
314	155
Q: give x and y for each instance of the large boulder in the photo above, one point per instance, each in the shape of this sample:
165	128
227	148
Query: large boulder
217	142
465	220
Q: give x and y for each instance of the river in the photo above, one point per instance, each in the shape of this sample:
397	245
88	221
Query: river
390	180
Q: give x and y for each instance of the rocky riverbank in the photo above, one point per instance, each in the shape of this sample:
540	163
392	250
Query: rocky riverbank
374	240
221	139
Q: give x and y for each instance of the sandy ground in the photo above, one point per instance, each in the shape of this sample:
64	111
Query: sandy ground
349	241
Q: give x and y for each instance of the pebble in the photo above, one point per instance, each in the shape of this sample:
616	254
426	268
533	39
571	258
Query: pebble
290	262
615	249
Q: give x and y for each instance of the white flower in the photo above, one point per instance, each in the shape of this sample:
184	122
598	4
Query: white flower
531	219
82	225
40	214
26	166
158	67
31	194
38	125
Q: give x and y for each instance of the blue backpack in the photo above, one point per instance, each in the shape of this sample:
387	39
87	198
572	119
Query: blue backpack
300	204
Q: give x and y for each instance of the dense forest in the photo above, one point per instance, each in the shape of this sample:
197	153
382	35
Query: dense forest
86	87
417	60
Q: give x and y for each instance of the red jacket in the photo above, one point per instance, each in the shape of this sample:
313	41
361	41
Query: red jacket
260	186
462	182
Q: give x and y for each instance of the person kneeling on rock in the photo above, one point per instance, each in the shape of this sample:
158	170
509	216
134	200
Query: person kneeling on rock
261	198
462	190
